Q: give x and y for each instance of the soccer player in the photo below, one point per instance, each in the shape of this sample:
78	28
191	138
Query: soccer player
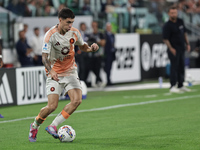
58	59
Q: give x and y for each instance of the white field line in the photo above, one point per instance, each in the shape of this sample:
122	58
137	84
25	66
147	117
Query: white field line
149	96
114	106
146	96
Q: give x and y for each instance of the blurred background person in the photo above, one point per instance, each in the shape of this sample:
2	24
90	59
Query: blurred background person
82	57
19	7
175	37
46	28
86	10
25	28
36	44
94	61
109	51
106	4
24	50
49	10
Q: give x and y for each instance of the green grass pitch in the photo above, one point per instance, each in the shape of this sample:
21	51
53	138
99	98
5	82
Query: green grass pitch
150	119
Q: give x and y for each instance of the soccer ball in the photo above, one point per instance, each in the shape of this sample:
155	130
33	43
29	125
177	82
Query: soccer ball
66	133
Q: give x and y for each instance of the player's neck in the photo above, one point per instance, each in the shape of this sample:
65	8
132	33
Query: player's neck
62	32
173	20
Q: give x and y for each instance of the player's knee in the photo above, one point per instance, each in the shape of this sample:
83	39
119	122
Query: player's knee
76	102
52	108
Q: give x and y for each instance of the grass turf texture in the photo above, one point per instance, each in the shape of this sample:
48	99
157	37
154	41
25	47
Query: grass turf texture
169	125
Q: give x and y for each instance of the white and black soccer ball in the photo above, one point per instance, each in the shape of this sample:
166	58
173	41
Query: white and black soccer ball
66	133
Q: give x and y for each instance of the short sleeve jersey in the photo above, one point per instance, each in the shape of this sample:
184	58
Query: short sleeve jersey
61	49
174	32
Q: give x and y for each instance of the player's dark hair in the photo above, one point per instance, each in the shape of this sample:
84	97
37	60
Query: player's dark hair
172	7
66	13
36	28
82	23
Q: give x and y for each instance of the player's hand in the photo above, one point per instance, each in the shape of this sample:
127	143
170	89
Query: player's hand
1	63
188	48
28	51
54	75
94	47
173	51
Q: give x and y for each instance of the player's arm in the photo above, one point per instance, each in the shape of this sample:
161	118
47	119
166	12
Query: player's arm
47	65
86	48
173	51
101	42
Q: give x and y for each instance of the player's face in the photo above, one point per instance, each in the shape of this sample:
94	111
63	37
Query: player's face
173	14
22	35
83	27
66	24
109	27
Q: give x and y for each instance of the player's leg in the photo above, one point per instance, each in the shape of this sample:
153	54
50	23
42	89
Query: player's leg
173	73
73	88
44	112
76	99
181	74
181	70
53	90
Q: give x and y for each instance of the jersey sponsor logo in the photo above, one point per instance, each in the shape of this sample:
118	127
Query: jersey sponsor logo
52	89
57	43
45	46
5	91
65	50
72	41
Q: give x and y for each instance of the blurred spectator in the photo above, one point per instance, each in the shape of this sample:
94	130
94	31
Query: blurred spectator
40	7
12	6
36	45
49	11
187	6
94	61
109	51
108	4
24	50
86	8
46	28
19	7
32	7
25	28
61	6
81	56
131	4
